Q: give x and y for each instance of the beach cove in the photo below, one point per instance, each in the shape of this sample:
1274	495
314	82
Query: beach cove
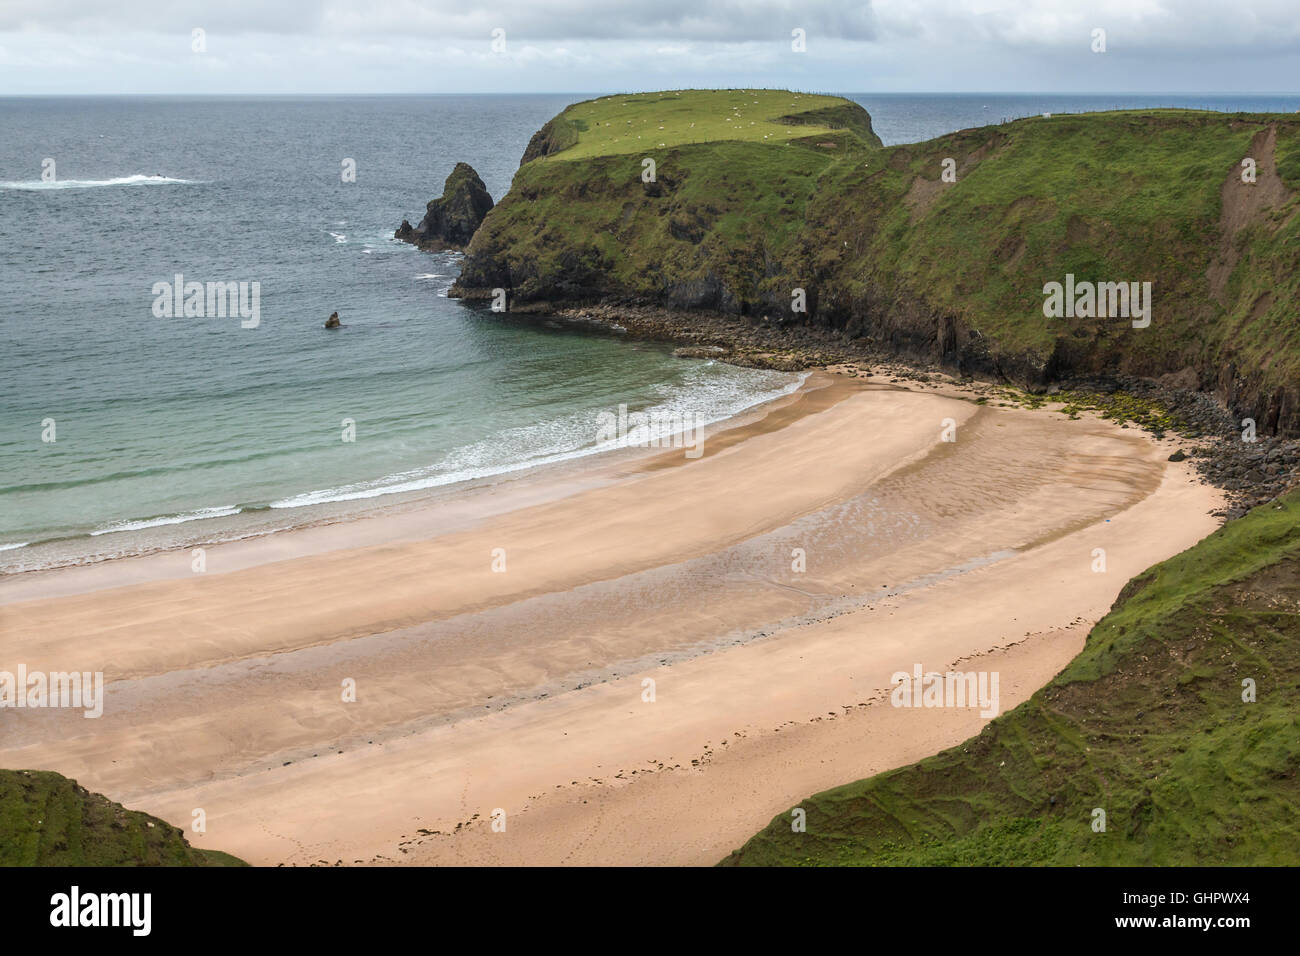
676	650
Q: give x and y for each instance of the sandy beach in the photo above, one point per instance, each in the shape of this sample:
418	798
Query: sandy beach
638	658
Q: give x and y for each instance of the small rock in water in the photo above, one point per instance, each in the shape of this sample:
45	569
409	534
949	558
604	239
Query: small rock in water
333	321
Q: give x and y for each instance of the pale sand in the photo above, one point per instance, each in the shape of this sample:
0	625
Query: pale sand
523	690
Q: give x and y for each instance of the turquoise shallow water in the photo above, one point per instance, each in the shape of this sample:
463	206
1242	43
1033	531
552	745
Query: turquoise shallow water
174	430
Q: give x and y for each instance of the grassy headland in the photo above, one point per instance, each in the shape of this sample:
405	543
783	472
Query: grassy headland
48	820
1148	723
637	122
768	192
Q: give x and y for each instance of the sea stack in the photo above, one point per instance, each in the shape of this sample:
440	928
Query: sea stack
451	220
333	321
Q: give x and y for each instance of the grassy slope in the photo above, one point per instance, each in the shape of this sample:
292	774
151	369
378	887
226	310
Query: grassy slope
1106	196
738	223
1146	723
47	820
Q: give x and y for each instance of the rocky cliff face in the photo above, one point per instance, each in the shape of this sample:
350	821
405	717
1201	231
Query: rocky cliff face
451	220
889	251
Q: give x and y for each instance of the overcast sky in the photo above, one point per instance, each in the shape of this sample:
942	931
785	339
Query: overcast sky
432	46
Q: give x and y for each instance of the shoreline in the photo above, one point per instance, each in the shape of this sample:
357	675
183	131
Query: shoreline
318	514
408	517
1200	418
477	691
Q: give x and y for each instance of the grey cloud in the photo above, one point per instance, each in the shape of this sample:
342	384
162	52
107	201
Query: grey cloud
684	20
1131	24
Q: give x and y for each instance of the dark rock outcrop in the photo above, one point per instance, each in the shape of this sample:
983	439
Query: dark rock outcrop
451	220
333	321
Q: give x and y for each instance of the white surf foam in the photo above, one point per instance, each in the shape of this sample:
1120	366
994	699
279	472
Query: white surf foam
475	461
136	180
200	515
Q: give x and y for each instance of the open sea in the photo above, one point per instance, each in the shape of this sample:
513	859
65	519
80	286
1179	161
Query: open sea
123	432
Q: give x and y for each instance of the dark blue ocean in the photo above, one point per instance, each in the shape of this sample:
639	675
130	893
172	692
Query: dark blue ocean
173	430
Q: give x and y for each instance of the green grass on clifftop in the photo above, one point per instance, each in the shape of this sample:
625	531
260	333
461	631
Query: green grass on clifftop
645	122
1147	723
48	820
